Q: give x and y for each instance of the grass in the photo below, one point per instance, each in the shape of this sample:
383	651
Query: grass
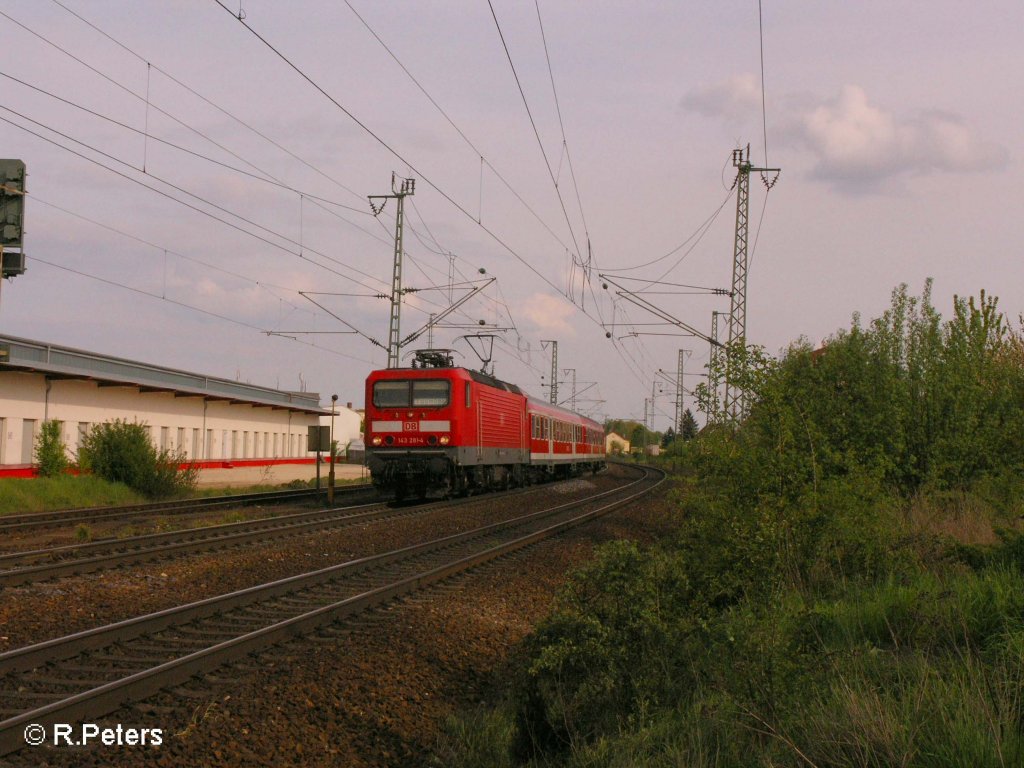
41	494
44	494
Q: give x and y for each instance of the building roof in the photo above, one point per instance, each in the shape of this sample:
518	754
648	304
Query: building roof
57	362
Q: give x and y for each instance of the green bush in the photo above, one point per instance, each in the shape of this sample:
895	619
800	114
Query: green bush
122	452
50	453
606	655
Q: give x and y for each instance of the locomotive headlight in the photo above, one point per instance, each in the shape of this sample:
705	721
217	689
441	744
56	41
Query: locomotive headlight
444	440
376	440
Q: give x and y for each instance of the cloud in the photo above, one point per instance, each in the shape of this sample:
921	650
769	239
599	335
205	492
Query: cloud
549	314
732	98
859	145
855	144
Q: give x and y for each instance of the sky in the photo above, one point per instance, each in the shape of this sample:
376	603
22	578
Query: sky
197	181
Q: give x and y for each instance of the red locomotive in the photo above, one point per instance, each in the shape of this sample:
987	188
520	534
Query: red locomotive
438	428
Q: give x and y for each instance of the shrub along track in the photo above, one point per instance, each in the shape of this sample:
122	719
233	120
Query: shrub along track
87	674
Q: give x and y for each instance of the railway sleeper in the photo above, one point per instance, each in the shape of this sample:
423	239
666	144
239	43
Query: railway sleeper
67	682
189	693
141	661
208	631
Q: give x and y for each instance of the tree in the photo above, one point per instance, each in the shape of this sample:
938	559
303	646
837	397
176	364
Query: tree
50	453
688	429
668	438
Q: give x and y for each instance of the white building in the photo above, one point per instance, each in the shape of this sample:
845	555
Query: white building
211	420
347	426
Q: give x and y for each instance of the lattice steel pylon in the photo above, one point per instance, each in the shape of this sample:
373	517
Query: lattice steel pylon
554	368
679	391
714	369
398	192
735	398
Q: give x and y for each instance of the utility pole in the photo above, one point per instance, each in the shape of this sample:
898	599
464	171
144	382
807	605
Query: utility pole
679	390
714	368
735	399
572	397
649	414
398	192
554	368
451	275
643	450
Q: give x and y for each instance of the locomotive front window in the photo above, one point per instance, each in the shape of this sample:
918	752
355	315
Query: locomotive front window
427	393
391	394
418	393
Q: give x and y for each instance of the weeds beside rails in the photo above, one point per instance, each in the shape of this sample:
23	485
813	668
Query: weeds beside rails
41	494
845	587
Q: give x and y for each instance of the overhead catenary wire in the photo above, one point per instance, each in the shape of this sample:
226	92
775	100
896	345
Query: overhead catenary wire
237	227
269	287
213	104
483	159
235	321
533	124
183	123
427	264
412	168
198	155
299	254
401	158
561	122
697	233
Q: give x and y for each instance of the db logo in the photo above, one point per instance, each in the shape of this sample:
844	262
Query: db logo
410	426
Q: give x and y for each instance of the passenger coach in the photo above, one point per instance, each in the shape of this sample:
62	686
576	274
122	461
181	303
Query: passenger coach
438	428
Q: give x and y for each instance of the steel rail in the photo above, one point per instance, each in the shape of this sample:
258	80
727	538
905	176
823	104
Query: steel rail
140	684
29	520
32	566
67	560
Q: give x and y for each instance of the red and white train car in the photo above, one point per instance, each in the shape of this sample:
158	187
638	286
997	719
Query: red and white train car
438	428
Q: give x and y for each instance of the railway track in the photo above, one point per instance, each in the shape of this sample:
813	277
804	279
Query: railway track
18	568
30	566
34	520
91	673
